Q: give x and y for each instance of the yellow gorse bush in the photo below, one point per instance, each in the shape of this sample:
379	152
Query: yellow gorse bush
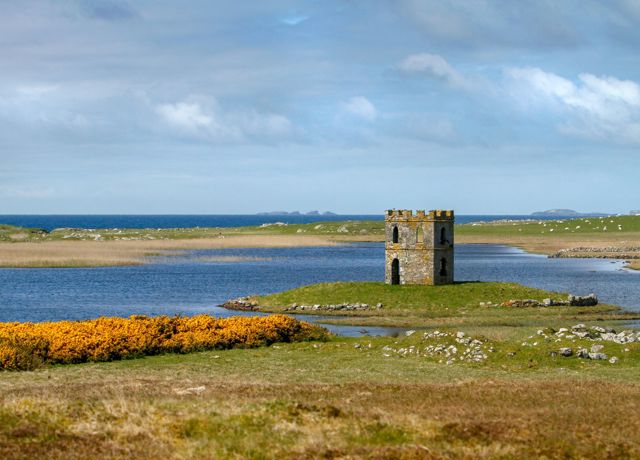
24	345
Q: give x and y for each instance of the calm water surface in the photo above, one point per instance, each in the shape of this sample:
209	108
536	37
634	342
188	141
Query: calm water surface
196	283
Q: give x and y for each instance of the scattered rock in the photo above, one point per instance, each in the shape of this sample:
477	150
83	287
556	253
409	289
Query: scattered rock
566	351
613	360
597	356
612	252
573	300
241	303
583	301
522	303
582	353
332	307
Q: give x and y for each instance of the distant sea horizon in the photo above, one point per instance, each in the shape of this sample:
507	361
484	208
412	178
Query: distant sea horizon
50	222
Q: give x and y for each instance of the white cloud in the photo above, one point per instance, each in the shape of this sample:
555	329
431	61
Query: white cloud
203	118
434	66
190	116
598	107
361	107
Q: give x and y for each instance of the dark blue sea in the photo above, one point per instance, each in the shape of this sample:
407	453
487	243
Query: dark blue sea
50	222
197	281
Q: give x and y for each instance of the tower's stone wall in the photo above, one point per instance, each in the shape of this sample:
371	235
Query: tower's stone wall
423	247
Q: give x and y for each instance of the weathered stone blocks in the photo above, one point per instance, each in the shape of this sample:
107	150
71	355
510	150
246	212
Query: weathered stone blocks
419	247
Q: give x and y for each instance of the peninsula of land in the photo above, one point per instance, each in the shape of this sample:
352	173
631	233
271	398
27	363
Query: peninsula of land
615	237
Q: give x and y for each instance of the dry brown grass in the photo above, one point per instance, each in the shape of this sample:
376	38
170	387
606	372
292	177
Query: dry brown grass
323	401
112	253
480	419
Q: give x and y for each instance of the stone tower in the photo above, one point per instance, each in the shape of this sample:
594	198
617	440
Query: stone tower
419	248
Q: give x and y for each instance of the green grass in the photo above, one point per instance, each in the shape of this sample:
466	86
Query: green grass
447	305
609	226
361	229
13	233
371	230
408	297
354	398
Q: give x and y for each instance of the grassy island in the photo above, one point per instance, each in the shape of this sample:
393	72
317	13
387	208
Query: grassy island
477	303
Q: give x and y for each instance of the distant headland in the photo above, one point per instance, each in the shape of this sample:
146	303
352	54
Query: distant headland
568	213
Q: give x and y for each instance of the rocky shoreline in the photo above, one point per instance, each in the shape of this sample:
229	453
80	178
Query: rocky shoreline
612	252
241	304
247	304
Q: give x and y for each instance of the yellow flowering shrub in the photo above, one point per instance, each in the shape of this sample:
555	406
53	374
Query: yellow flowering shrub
23	345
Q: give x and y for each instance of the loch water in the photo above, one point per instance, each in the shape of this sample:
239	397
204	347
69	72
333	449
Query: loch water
198	281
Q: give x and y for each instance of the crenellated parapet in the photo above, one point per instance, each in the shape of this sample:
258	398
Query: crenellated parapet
406	215
440	214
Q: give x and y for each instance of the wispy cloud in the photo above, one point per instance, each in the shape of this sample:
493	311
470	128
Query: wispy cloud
294	19
203	118
361	107
596	106
432	66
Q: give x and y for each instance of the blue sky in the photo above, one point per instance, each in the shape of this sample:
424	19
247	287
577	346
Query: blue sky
351	106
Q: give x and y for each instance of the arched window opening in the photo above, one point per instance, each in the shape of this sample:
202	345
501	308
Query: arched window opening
395	271
420	235
395	234
443	267
443	236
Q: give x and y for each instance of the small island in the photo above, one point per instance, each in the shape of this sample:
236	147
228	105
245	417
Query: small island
295	213
567	213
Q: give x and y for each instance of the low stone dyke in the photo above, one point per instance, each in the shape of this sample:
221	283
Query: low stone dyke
336	307
590	300
246	304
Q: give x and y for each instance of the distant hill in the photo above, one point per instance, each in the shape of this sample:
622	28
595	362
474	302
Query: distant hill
567	213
